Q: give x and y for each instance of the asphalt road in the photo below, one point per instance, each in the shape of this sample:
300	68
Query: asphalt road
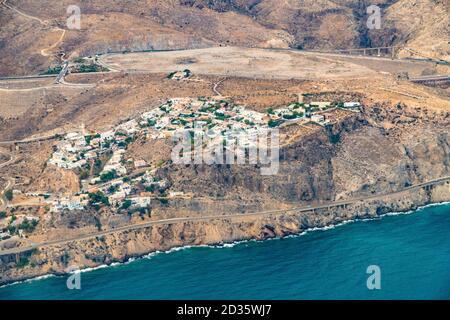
219	217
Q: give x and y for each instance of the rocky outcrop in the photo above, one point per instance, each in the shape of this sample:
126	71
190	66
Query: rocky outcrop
120	247
380	151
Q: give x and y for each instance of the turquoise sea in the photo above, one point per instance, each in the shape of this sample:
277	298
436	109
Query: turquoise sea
411	250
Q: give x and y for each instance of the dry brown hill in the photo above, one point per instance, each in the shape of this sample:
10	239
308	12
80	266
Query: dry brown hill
32	33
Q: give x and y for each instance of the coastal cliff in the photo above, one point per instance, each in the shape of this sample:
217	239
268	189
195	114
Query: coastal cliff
381	151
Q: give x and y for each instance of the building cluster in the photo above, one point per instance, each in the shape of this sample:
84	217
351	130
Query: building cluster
180	75
76	202
120	193
187	113
309	112
16	224
82	150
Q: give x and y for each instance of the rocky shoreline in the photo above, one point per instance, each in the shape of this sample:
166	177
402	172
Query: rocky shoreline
121	247
383	150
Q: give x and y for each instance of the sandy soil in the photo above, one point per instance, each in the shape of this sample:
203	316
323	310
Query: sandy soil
262	63
241	62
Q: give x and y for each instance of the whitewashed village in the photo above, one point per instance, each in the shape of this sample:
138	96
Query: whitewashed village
131	184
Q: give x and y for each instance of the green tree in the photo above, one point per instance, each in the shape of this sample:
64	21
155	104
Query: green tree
98	197
274	123
126	204
110	175
9	194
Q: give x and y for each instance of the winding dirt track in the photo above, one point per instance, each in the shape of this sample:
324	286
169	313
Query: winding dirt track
44	52
9	183
56	44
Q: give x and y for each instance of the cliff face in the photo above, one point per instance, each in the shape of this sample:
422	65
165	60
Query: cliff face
120	247
361	155
383	150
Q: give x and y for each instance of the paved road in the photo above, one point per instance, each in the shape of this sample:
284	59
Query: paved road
220	217
443	78
113	69
28	140
63	72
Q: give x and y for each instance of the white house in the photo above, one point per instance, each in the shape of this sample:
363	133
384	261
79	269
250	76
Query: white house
108	135
322	105
318	118
141	201
352	105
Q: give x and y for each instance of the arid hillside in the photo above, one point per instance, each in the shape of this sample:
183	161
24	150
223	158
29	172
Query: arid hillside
34	34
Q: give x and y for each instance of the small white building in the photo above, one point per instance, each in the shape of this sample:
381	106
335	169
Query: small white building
90	155
174	194
117	197
108	135
352	105
140	164
141	201
5	235
319	118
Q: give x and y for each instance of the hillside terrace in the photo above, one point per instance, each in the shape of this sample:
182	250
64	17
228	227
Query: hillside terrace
82	150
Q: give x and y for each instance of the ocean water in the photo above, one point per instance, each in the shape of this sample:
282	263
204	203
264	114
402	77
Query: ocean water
412	252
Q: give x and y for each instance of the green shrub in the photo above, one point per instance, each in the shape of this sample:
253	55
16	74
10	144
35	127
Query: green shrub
23	262
27	225
110	175
9	195
274	123
98	197
163	200
78	60
55	70
126	204
89	68
335	138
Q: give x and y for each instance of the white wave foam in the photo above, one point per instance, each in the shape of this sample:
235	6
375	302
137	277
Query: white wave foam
45	276
236	243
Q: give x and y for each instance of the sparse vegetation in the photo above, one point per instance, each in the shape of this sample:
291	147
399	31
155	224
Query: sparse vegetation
27	225
108	176
126	204
163	200
98	198
274	123
9	195
54	70
79	60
